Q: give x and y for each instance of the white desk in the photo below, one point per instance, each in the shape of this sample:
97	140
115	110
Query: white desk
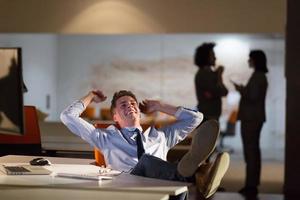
33	193
122	183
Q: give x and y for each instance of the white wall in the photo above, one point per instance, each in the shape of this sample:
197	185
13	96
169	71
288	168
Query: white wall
39	57
106	62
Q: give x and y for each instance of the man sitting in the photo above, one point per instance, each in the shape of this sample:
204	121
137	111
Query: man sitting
127	147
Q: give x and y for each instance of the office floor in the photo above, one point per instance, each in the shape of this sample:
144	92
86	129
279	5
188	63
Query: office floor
272	174
235	196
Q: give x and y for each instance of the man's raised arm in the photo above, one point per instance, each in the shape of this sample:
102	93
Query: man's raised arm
96	96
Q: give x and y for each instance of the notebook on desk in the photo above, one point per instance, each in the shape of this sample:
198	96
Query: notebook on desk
24	170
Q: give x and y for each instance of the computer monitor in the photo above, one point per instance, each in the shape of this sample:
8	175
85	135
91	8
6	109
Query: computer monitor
11	91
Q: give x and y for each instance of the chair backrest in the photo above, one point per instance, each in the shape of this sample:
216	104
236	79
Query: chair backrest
30	142
230	129
230	125
31	129
233	116
100	161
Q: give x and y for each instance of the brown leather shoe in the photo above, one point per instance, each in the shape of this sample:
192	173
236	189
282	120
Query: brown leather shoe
203	144
209	176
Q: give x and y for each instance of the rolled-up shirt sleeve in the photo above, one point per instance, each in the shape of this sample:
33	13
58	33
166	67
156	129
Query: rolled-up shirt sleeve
187	121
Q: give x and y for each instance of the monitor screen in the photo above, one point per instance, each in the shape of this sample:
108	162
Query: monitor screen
11	90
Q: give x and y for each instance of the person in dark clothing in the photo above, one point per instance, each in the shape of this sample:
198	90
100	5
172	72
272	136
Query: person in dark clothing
9	87
252	115
208	82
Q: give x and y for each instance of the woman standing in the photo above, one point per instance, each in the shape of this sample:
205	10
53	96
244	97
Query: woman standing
209	82
252	115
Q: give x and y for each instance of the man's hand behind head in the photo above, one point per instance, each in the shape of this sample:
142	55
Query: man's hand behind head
149	106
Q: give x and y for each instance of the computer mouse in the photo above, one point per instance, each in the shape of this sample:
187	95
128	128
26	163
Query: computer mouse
39	162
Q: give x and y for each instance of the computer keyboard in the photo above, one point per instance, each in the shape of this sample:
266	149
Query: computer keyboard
85	176
16	169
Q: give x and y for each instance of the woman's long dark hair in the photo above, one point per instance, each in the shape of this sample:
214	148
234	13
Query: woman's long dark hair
259	60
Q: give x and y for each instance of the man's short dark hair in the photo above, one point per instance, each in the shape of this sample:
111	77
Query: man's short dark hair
201	57
118	95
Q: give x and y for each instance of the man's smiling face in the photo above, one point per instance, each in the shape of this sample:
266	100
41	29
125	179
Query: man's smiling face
126	112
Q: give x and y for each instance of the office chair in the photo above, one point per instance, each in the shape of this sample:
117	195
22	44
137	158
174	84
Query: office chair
100	161
30	142
228	132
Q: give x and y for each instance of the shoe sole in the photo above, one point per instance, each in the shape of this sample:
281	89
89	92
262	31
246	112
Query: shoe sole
203	144
218	172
